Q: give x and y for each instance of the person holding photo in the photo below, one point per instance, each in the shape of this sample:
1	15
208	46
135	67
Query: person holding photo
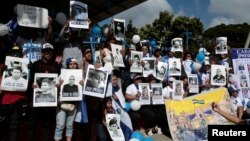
45	115
64	117
13	103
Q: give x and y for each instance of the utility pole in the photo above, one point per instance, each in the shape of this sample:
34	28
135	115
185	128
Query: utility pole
187	37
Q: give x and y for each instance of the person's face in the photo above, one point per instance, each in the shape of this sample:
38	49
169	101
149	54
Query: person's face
137	80
114	127
144	50
137	60
16	74
88	55
47	55
71	80
45	87
162	70
73	65
147	65
174	64
170	54
109	104
188	57
218	72
114	81
176	44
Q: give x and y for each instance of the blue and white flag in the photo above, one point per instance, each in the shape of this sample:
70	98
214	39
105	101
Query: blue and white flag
126	123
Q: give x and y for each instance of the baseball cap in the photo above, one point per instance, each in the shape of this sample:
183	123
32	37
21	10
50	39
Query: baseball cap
47	46
231	90
69	60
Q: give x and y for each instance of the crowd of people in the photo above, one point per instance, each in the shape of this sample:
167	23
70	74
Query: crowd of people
67	51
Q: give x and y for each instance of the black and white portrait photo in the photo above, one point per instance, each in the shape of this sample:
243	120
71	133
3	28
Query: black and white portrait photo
96	82
45	93
71	88
97	57
178	91
221	45
145	93
149	67
174	67
193	83
136	58
218	75
119	29
157	97
114	128
161	70
116	51
15	76
177	44
78	15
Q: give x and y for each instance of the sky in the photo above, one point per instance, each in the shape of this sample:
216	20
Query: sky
210	12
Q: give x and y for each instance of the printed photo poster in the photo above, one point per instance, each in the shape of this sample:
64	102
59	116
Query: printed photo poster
189	118
177	45
161	70
98	57
149	67
174	67
15	77
145	93
136	57
178	90
157	97
71	89
31	16
45	95
78	15
233	81
218	75
114	127
221	45
241	66
144	43
96	82
119	29
193	83
116	51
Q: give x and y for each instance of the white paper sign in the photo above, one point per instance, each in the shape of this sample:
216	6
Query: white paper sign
145	93
31	16
71	89
45	95
15	77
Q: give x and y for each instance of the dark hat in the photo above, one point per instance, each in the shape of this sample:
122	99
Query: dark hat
231	90
69	60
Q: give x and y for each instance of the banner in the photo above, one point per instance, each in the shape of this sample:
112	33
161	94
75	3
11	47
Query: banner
241	66
30	16
189	118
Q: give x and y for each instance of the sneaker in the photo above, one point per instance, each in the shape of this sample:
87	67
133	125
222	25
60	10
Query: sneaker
150	133
159	131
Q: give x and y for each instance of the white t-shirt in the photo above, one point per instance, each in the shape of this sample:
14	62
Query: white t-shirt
132	90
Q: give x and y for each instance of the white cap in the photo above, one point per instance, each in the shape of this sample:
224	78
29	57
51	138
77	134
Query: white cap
47	46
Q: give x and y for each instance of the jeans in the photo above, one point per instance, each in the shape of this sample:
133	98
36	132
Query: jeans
62	118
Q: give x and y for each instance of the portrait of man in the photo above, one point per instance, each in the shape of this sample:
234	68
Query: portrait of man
96	81
118	56
45	93
161	72
174	68
219	78
70	89
137	61
78	13
178	89
193	81
16	75
144	92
